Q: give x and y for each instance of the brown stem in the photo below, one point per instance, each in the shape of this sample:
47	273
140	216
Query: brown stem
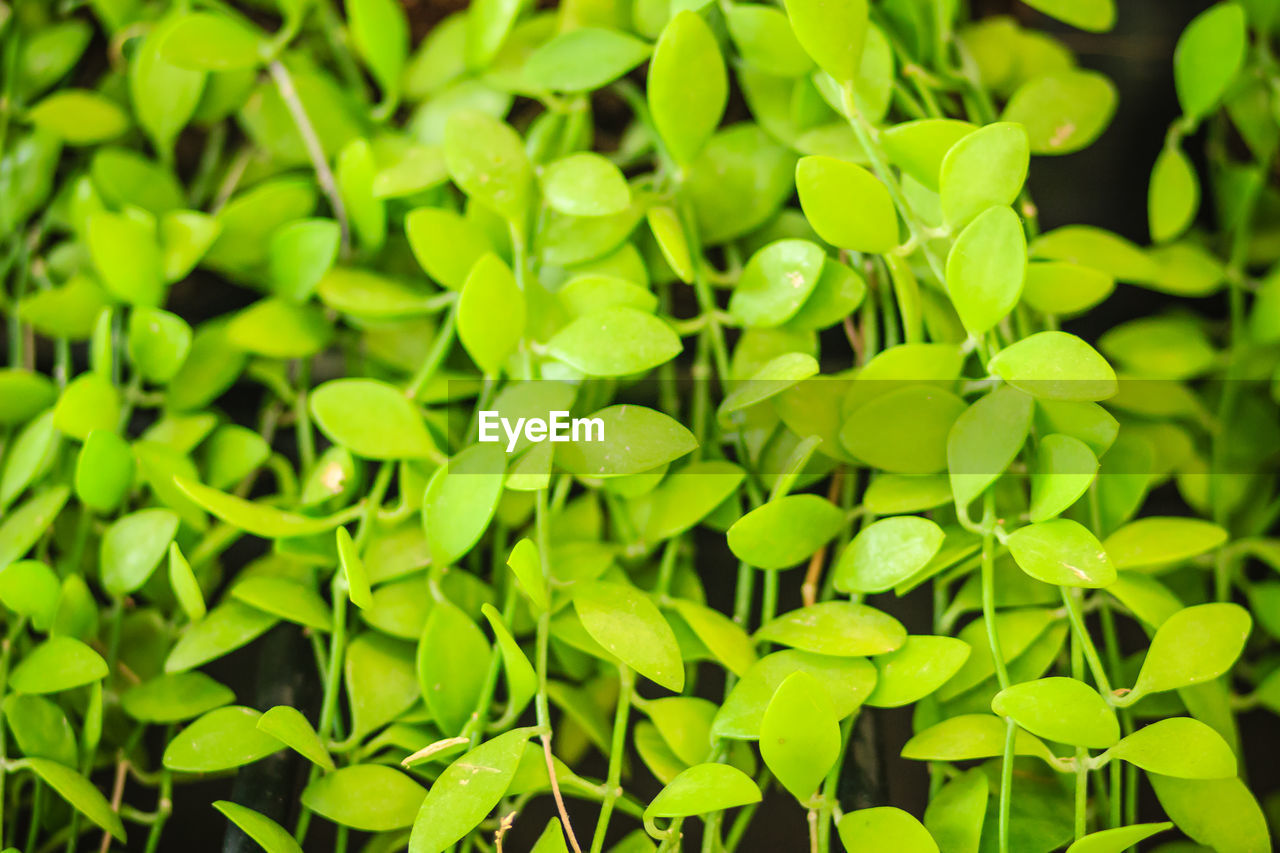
555	792
117	796
324	175
812	577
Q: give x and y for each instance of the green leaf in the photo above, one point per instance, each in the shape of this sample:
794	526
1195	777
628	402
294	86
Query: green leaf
833	33
1209	54
291	728
88	403
23	394
836	628
204	41
1055	366
688	86
1094	247
922	665
258	519
1062	552
461	499
225	628
636	439
1062	111
1095	16
838	292
268	834
79	117
986	269
919	147
80	793
701	789
984	441
1221	814
488	24
41	728
955	815
1063	470
1178	746
287	598
220	740
232	453
451	683
127	257
368	797
175	697
23	527
445	244
584	59
776	282
985	168
466	791
1193	645
522	681
491	314
904	431
133	546
687	496
527	567
684	723
884	828
585	184
164	96
764	39
1157	542
486	158
665	225
847	682
301	253
782	532
57	664
552	839
887	552
380	679
30	588
373	297
629	626
1060	709
1117	840
1173	196
723	637
1054	287
371	419
380	31
826	184
800	735
29	457
615	342
968	737
354	571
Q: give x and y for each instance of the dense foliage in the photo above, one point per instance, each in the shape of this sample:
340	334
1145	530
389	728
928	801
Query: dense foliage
265	265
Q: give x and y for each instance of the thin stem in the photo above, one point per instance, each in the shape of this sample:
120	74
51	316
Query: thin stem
997	656
1071	598
315	150
542	525
617	749
435	356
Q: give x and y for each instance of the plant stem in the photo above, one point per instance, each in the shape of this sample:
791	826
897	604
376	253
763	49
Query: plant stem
997	656
315	150
542	525
617	749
